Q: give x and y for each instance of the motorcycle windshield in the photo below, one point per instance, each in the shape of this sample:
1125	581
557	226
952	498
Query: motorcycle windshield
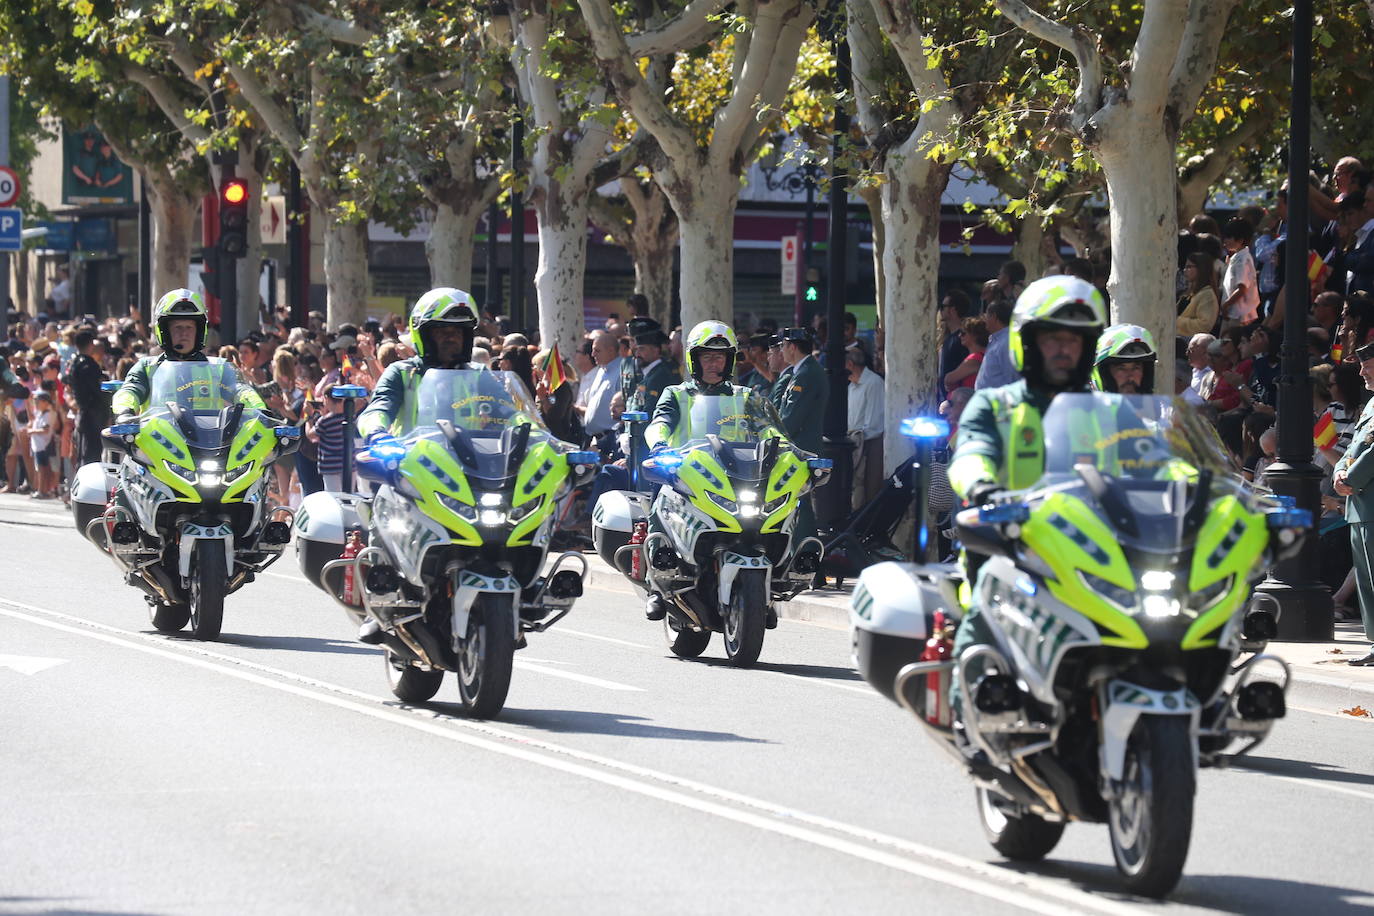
488	418
1145	450
195	395
735	428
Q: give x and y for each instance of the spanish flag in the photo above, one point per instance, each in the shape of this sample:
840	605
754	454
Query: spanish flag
1324	433
553	372
1337	351
1317	272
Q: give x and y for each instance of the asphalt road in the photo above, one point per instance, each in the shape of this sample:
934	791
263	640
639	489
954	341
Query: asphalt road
272	772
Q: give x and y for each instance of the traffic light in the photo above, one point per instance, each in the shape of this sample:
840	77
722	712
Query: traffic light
233	218
813	285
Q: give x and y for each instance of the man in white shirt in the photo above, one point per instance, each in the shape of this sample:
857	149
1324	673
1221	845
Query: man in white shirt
1198	360
600	385
866	425
1240	286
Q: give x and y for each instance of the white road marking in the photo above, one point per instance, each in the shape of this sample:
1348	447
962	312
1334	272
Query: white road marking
574	676
29	664
597	636
973	876
29	526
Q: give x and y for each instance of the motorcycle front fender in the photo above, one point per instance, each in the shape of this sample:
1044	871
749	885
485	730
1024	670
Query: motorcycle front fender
1123	703
192	532
468	586
730	565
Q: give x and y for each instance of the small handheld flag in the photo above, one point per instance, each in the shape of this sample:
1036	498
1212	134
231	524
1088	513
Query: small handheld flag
1324	433
553	372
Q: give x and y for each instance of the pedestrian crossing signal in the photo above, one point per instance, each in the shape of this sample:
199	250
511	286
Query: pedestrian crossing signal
813	293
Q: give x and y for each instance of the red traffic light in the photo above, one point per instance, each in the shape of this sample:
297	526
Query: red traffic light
234	192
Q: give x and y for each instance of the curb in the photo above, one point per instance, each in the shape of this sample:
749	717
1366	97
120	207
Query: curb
831	610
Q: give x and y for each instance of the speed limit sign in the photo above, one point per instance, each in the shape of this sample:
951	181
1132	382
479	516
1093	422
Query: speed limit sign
9	186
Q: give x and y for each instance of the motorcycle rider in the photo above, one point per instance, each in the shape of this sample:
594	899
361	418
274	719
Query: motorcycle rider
711	349
443	324
1125	361
180	323
1054	331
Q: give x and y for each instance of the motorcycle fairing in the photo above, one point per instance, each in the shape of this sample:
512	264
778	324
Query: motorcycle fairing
1229	545
406	531
471	584
1122	703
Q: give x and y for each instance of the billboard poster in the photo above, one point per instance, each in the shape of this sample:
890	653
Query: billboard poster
91	172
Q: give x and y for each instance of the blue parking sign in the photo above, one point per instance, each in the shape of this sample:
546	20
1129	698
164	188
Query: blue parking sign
11	225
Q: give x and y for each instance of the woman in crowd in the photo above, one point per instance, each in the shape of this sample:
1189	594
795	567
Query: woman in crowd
974	336
1199	314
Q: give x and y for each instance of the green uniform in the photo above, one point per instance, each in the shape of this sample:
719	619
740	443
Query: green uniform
645	388
1001	441
132	396
393	405
1358	466
676	399
800	395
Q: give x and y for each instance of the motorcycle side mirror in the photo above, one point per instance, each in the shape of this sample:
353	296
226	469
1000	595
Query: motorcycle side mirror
120	430
111	385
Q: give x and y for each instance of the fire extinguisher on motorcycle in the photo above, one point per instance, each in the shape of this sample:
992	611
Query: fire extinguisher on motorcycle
351	549
637	535
939	648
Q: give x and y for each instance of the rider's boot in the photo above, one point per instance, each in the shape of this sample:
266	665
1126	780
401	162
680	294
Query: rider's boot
370	632
656	608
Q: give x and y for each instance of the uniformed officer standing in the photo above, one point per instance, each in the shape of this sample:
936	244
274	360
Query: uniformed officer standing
801	391
643	378
1353	478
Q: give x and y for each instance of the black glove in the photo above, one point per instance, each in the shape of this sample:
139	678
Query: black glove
983	493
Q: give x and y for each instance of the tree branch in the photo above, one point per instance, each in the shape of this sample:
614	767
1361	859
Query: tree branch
1157	47
770	50
903	29
278	120
168	100
330	27
689	28
1078	41
1197	57
646	106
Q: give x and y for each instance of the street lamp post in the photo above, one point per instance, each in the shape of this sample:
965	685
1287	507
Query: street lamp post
1305	603
834	498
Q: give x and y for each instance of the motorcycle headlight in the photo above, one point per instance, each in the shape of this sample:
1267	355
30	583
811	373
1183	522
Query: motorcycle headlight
234	474
185	474
1122	597
1204	598
516	513
465	511
727	504
774	504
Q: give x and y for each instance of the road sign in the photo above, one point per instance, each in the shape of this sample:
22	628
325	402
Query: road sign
790	253
9	186
11	225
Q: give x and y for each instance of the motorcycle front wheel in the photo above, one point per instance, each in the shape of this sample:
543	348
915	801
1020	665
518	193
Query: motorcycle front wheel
1151	819
410	684
746	617
1025	837
486	657
209	581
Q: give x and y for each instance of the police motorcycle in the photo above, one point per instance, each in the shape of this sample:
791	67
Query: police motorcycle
1115	591
721	547
451	548
180	501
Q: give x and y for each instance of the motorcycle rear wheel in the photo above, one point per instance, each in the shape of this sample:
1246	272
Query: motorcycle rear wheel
410	684
1023	838
746	618
168	618
682	642
209	581
1151	820
486	657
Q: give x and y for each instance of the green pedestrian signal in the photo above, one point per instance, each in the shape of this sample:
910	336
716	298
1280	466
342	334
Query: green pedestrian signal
812	293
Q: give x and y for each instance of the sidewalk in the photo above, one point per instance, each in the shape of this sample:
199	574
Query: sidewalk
1318	663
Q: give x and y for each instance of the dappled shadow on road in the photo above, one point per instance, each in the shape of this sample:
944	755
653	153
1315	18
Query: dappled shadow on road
287	643
573	721
60	906
1302	769
824	672
1246	894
